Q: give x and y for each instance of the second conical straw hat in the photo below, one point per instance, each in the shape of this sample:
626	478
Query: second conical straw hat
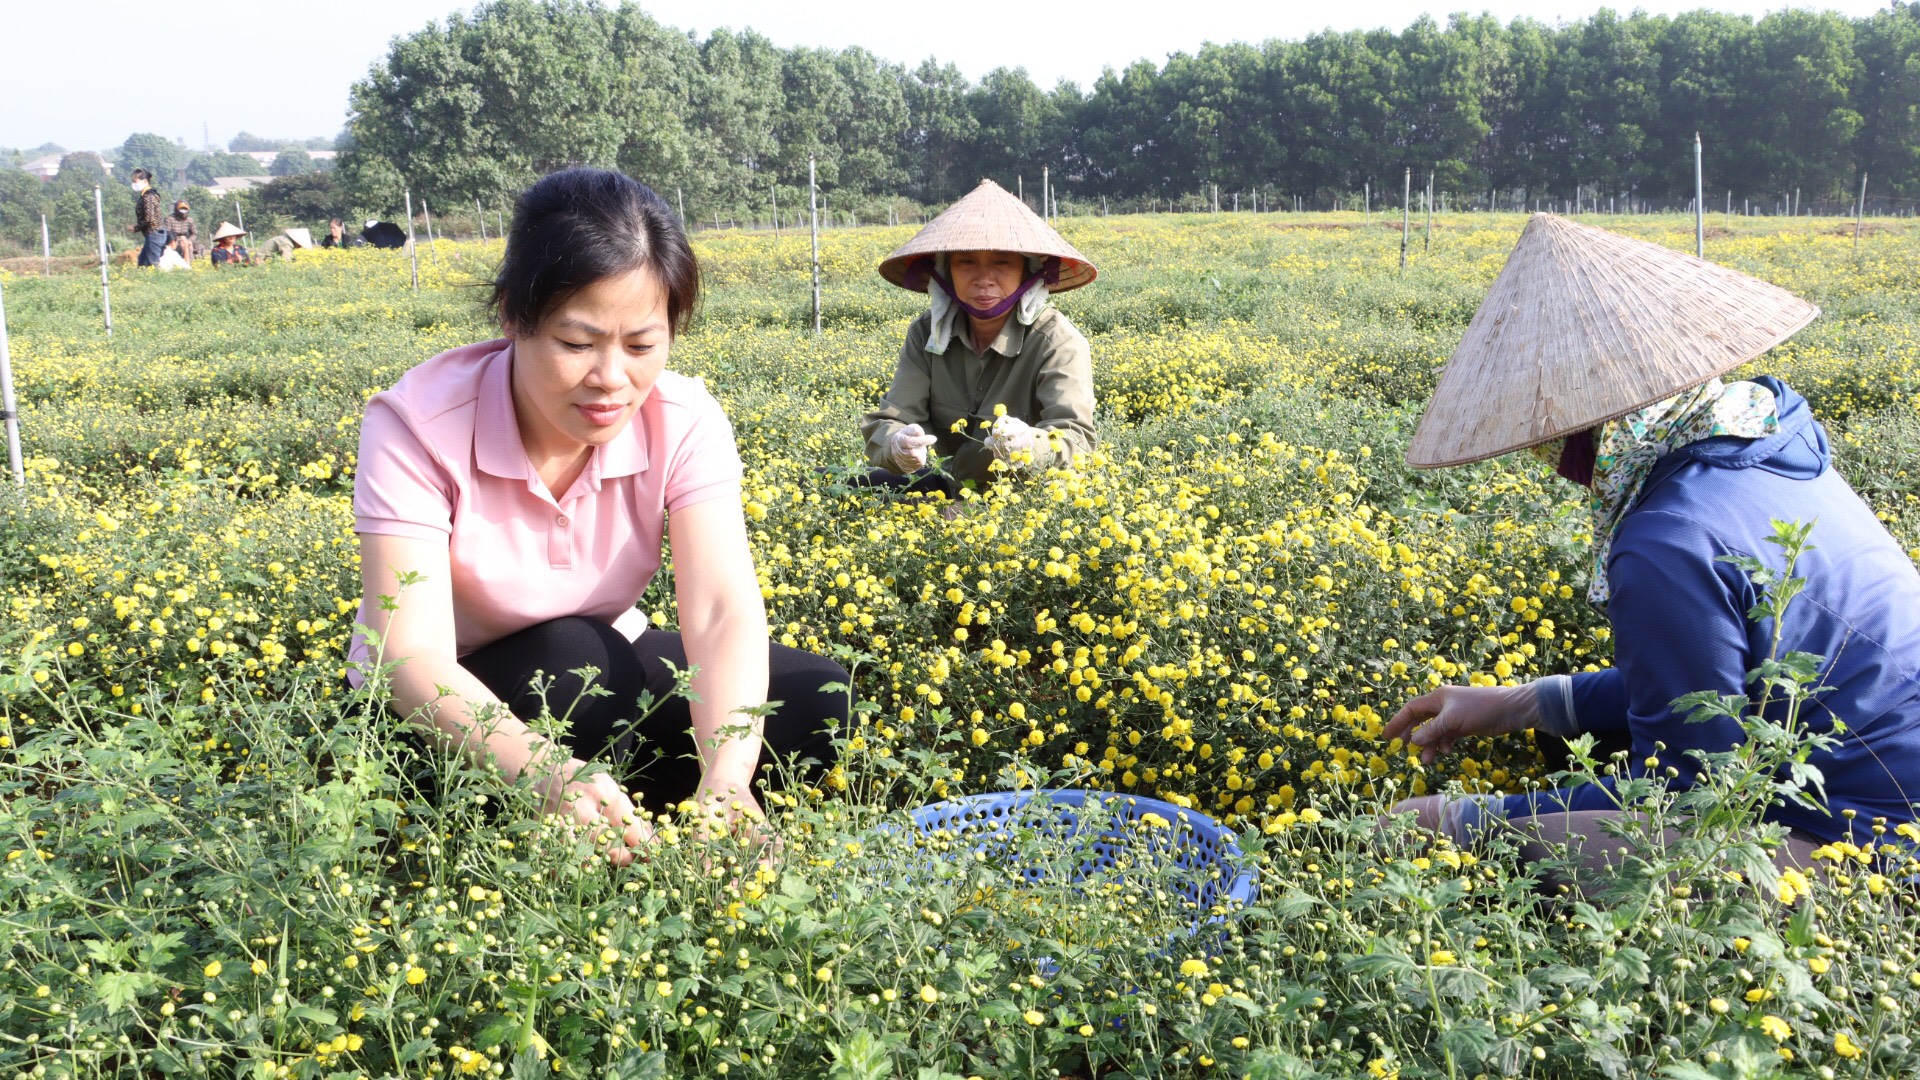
988	219
1583	326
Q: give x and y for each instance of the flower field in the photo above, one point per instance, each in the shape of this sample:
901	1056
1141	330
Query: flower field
218	862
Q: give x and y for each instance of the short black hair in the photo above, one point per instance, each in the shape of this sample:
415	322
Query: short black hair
578	226
142	174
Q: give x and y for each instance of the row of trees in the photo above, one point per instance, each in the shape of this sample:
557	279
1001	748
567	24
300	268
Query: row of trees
1798	100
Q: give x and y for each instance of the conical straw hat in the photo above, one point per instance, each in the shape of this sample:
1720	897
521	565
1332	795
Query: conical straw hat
226	229
301	236
1583	326
988	219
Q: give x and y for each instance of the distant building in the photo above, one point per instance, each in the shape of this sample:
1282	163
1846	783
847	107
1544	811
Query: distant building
223	184
266	157
46	168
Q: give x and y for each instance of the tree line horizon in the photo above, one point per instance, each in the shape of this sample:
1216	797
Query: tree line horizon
1794	104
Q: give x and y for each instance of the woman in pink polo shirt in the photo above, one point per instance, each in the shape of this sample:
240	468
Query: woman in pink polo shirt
523	486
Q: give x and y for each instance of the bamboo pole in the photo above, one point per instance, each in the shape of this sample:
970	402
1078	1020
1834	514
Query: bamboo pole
1859	211
435	248
481	214
813	199
9	409
1046	192
773	193
413	256
46	245
100	228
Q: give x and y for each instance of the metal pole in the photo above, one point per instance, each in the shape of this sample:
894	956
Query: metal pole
8	408
429	213
413	256
46	245
1427	245
100	227
478	213
1699	204
813	200
1859	211
1406	224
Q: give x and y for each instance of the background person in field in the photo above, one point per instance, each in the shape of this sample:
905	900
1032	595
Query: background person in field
148	219
528	481
285	244
992	371
1607	353
226	246
181	233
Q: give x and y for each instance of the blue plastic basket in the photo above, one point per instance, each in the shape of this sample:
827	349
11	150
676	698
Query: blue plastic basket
1216	879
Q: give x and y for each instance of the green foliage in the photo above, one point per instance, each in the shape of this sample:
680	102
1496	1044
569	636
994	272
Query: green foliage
478	105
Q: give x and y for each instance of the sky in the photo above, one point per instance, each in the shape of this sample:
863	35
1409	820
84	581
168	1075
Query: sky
287	78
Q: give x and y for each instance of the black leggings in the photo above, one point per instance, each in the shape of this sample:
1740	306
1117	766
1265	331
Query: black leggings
659	762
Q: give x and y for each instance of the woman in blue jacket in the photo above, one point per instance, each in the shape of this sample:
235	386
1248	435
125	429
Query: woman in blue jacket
1676	487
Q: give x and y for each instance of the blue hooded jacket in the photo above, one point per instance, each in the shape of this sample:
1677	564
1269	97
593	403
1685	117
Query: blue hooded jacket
1680	624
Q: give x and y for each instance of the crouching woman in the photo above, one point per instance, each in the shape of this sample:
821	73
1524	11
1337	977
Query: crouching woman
522	487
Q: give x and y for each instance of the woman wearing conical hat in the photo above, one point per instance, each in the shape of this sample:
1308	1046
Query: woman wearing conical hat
991	372
1605	355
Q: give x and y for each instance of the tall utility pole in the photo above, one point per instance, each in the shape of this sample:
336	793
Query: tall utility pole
813	200
100	227
1699	204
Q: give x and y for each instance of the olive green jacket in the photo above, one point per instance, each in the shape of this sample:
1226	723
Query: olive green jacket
1042	373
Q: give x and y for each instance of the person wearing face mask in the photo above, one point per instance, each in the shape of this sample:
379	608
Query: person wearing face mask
992	372
181	233
1606	354
522	487
148	220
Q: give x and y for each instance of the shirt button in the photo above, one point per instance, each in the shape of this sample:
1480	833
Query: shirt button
561	520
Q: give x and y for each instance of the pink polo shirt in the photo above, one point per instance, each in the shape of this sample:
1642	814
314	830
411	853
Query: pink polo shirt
441	460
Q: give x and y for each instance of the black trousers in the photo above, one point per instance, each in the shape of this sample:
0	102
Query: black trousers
657	759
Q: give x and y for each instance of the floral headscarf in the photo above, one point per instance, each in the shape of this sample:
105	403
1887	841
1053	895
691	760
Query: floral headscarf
1628	448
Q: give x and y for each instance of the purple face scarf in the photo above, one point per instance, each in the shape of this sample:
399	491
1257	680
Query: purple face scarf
1577	456
997	310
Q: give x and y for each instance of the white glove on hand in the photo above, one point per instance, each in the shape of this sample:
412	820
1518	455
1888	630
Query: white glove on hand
1011	435
908	449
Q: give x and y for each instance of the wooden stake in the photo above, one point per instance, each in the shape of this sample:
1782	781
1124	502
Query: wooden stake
9	409
100	227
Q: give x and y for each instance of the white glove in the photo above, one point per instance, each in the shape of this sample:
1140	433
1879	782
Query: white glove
908	449
1010	435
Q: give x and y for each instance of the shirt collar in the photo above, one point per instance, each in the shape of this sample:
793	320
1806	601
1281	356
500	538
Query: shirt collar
497	448
1010	340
